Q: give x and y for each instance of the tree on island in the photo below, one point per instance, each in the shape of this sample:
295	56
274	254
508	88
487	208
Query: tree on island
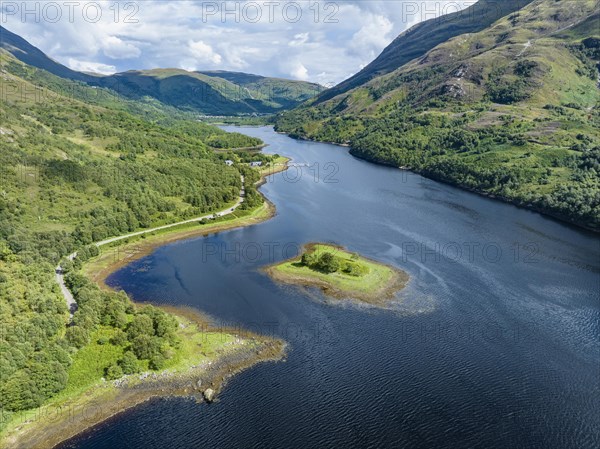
354	269
328	263
309	259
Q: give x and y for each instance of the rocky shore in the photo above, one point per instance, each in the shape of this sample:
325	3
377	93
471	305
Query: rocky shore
203	383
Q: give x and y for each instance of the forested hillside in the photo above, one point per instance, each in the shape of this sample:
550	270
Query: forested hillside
512	111
78	165
212	93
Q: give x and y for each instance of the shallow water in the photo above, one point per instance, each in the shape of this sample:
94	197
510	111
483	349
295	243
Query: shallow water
493	344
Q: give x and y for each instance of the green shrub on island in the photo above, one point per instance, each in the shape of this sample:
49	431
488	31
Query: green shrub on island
355	269
329	263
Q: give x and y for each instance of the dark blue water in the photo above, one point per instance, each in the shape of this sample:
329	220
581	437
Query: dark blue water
494	344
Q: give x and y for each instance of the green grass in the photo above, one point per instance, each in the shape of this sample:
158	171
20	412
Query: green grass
277	165
90	362
196	347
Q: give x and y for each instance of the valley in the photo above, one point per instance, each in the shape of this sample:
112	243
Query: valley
192	255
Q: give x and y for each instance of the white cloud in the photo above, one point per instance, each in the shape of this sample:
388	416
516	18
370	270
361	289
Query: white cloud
295	70
174	34
299	40
88	66
236	55
372	37
300	72
115	48
204	52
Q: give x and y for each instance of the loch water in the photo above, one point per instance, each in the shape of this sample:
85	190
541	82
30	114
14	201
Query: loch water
493	344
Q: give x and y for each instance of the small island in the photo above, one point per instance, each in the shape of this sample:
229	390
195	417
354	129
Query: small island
341	274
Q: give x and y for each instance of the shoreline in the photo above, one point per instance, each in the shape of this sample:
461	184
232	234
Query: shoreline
378	298
103	401
513	202
54	427
253	149
99	269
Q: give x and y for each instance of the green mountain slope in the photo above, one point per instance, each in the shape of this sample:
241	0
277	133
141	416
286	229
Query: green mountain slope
282	93
33	56
424	36
512	111
76	167
211	93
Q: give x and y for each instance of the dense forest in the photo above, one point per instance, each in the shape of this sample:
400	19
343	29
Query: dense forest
443	149
504	160
76	167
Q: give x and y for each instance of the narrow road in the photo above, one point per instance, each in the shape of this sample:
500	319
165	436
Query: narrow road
179	223
60	279
72	304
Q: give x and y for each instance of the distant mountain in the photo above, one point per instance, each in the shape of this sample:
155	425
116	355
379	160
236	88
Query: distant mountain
212	93
282	91
511	111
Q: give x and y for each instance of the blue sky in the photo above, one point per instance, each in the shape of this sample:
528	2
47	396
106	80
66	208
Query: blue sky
319	41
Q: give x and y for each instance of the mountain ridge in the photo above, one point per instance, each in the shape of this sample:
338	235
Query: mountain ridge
206	92
422	37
